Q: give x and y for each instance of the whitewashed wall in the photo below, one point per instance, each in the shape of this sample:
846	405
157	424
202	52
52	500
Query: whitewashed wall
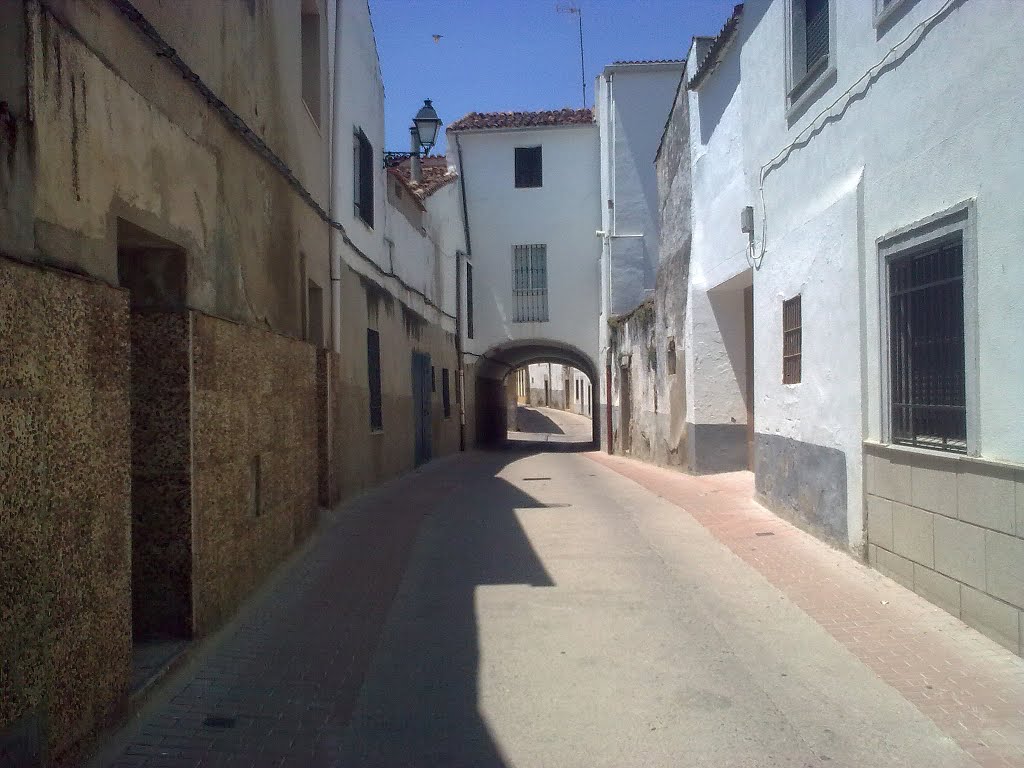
422	254
719	266
633	102
358	103
938	127
563	214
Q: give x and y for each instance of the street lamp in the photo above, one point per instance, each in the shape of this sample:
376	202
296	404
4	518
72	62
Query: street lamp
423	134
427	122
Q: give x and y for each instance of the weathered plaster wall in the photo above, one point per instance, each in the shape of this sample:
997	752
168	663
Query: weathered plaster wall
254	438
65	505
118	132
363	457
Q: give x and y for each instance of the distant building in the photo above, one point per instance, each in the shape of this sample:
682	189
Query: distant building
532	189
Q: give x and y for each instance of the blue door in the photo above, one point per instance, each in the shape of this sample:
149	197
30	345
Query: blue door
421	388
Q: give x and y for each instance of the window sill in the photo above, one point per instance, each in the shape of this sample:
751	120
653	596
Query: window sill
376	431
358	217
809	88
953	459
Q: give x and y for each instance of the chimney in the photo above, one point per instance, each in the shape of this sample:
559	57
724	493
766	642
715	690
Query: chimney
414	162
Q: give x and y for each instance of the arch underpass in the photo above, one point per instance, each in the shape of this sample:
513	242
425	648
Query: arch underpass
495	390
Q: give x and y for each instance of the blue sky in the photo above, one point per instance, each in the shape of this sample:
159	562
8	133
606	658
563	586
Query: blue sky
518	54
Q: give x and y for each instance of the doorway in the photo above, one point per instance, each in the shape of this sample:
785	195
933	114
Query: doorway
421	405
154	271
625	414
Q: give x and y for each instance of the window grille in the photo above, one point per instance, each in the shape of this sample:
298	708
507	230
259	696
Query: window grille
362	173
529	167
816	32
373	368
446	400
530	283
469	300
792	341
926	340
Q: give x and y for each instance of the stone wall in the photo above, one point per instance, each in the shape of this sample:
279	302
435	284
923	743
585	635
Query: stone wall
951	528
65	505
255	468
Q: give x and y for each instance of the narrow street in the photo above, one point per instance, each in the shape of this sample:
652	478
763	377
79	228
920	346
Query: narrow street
573	609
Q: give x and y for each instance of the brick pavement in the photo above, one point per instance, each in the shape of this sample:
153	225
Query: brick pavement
277	686
970	687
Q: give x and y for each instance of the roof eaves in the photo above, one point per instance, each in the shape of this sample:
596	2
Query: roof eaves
719	46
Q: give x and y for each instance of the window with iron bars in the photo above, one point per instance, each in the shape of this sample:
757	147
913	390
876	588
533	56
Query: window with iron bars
926	345
792	340
530	283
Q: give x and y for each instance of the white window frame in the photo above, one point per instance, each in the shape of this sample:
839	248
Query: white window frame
802	86
961	218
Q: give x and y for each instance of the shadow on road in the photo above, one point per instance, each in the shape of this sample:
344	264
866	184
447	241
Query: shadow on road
530	420
418	705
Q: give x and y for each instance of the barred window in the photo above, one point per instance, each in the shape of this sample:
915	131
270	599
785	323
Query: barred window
373	376
926	347
792	341
815	32
530	283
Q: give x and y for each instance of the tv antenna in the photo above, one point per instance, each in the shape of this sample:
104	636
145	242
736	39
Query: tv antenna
578	13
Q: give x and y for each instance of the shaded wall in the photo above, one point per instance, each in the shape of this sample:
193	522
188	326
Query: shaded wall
255	458
64	507
360	456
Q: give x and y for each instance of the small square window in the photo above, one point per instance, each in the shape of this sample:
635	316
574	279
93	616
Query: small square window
529	167
811	54
792	341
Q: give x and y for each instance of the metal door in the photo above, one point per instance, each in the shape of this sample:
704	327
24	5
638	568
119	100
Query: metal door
421	407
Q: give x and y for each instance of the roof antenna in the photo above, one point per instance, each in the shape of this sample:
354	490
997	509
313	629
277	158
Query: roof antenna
576	11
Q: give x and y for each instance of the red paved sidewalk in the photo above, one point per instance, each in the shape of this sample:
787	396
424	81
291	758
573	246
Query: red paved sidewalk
972	688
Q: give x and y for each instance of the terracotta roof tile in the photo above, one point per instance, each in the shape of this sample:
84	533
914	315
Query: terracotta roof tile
651	61
435	172
476	121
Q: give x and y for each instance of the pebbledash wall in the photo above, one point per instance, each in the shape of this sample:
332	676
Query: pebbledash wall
153	362
170	411
836	203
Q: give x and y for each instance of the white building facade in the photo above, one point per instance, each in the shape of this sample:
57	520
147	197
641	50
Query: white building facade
531	185
884	166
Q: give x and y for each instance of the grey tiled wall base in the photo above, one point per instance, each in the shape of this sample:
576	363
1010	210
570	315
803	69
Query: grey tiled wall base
951	528
805	483
716	447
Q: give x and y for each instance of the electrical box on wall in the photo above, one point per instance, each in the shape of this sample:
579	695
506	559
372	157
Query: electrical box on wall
747	219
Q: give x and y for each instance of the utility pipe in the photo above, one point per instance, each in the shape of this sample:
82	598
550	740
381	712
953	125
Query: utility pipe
335	237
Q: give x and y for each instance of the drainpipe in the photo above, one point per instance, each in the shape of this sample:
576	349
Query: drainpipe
335	238
458	288
459	257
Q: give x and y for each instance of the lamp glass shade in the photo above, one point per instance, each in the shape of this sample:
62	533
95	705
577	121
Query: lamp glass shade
427	122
